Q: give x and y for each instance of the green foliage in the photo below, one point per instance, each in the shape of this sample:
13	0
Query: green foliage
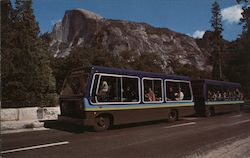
238	62
26	74
148	61
245	20
81	56
188	70
216	18
217	50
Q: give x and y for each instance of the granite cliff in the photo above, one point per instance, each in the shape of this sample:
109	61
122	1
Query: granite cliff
83	28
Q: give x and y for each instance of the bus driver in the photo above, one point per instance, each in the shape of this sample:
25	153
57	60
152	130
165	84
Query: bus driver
102	94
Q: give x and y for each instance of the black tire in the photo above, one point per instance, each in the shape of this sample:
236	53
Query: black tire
173	116
210	112
102	123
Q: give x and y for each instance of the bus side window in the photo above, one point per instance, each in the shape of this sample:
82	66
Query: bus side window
109	89
178	91
130	89
172	90
215	93
185	88
152	90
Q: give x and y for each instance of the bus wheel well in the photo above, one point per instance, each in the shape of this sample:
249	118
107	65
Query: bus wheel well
210	111
107	115
173	115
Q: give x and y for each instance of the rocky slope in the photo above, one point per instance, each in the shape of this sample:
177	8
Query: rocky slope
80	27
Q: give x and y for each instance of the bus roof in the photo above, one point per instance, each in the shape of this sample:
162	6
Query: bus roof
101	69
217	82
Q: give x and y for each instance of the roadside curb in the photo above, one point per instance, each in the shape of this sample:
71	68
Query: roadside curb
20	126
24	130
26	119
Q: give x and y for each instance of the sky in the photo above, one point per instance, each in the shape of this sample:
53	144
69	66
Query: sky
190	17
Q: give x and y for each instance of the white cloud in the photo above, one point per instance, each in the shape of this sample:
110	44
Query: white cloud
232	14
198	34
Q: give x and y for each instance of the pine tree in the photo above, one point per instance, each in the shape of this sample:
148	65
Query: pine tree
217	55
7	48
244	47
31	82
245	20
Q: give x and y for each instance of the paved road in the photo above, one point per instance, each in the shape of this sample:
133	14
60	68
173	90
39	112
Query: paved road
226	135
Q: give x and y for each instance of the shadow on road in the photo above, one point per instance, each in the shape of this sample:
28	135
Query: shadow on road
139	124
63	126
245	108
156	122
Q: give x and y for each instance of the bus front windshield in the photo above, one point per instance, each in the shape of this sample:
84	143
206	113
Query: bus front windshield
75	85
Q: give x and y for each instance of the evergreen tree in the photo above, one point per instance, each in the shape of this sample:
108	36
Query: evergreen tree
245	20
148	61
81	56
239	60
7	47
217	55
30	82
244	48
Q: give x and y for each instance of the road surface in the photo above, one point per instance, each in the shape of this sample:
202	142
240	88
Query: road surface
223	136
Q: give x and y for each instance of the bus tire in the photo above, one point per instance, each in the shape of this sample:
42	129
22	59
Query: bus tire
102	123
173	116
210	112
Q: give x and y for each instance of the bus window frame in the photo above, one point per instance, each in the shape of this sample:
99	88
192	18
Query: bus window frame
92	86
171	80
113	75
162	91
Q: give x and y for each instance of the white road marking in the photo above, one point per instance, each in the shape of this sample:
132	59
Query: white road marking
179	125
190	118
240	122
34	147
236	116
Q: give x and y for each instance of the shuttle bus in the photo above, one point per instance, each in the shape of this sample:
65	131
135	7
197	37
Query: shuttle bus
101	97
212	96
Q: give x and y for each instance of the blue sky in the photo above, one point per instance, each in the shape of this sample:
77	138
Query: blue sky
185	16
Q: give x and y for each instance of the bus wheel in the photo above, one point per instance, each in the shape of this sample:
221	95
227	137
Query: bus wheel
173	116
101	123
210	112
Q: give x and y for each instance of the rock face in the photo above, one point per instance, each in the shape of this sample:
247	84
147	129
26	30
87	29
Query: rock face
80	27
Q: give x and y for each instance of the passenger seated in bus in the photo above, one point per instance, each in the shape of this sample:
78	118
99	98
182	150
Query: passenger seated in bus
241	96
150	95
129	95
102	93
171	94
225	96
234	95
210	95
237	94
230	95
180	95
214	96
218	95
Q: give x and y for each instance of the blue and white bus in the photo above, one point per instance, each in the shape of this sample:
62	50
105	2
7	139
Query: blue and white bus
212	96
102	97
